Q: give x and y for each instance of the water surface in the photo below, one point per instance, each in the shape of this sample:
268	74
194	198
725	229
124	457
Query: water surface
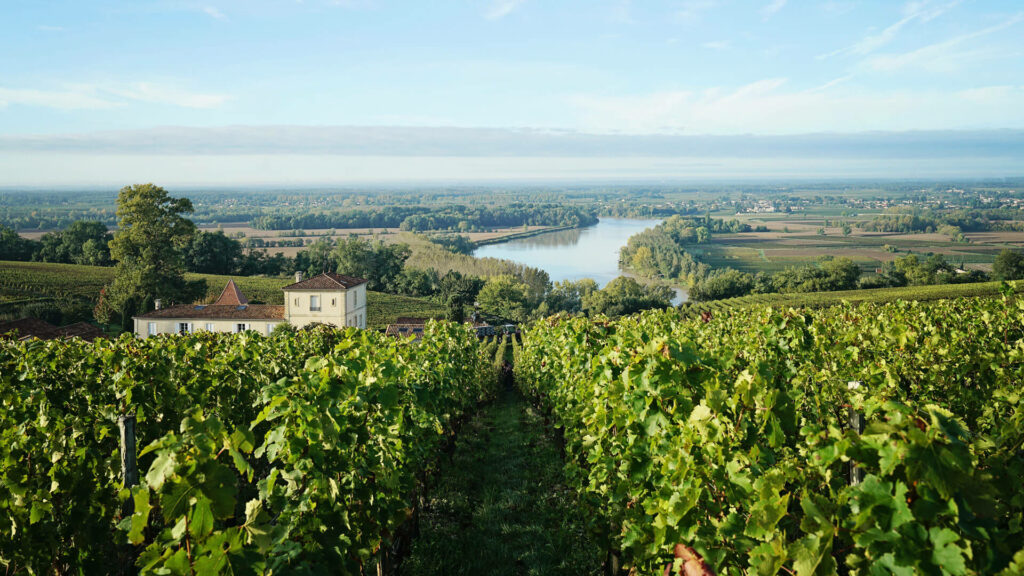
591	252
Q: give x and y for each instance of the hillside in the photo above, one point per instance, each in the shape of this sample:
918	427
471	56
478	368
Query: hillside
27	282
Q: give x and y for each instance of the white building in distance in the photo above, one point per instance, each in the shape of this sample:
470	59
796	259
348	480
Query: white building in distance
325	299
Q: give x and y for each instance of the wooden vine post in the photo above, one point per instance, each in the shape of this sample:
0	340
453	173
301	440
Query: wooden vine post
856	422
130	476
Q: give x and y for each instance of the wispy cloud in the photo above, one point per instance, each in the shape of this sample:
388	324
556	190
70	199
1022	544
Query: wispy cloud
691	10
214	12
100	97
940	56
717	45
923	11
73	99
772	8
501	8
767	107
46	28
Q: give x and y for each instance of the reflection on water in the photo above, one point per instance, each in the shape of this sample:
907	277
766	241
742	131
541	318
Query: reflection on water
591	252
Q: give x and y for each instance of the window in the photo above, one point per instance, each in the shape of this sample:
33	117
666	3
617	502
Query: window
334	302
314	303
355	299
209	326
152	328
184	328
241	327
270	328
296	301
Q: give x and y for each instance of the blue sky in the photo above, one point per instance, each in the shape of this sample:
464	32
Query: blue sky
124	72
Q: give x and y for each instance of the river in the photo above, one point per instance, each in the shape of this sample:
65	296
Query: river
591	252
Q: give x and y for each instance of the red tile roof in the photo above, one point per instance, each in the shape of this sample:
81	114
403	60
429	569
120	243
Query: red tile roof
218	312
231	296
34	328
327	281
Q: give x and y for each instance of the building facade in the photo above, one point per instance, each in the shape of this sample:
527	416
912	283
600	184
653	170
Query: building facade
325	299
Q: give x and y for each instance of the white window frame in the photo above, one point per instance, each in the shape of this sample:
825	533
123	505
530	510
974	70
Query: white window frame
270	327
151	328
245	326
211	327
188	328
314	303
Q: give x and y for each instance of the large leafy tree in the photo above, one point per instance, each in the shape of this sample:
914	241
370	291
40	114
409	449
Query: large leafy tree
84	242
376	261
1009	265
214	253
149	248
505	297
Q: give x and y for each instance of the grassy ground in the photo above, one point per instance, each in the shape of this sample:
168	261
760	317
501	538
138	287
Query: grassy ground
819	299
24	282
499	507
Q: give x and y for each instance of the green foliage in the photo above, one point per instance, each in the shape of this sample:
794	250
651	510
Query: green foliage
378	262
297	453
1009	265
505	298
730	434
624	295
83	242
148	248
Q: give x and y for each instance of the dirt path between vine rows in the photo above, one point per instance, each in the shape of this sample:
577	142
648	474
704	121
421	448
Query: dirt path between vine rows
500	506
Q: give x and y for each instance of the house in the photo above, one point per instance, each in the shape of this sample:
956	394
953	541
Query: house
325	299
32	328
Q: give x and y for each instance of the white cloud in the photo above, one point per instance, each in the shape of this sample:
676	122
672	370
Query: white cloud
501	8
46	28
164	94
923	11
100	97
772	8
213	12
74	99
691	10
764	107
718	45
941	56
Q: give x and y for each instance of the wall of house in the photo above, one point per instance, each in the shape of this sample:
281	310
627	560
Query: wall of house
170	326
338	307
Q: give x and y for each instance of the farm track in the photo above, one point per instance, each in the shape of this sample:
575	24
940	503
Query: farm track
500	506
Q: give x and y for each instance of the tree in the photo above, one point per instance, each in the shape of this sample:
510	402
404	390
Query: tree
1009	265
378	262
505	297
14	247
567	296
625	295
84	242
213	253
149	250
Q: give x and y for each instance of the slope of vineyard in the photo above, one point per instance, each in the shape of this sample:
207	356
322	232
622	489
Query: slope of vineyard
290	454
732	434
24	282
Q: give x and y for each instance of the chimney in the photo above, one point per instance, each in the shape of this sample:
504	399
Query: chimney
157	303
298	276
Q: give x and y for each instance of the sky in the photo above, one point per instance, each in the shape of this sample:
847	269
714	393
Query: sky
105	92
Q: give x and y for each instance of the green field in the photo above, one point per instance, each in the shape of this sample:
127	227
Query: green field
876	295
28	282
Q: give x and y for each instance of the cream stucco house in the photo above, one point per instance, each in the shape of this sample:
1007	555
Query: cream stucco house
326	299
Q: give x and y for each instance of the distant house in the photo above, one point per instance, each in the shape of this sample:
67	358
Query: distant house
32	328
325	299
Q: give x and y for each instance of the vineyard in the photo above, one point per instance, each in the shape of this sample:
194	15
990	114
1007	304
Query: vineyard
296	453
853	439
870	439
27	282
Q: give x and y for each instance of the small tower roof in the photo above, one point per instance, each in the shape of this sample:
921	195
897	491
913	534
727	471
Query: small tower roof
231	296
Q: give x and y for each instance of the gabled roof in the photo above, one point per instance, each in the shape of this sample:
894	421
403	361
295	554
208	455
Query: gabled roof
218	312
327	281
231	296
